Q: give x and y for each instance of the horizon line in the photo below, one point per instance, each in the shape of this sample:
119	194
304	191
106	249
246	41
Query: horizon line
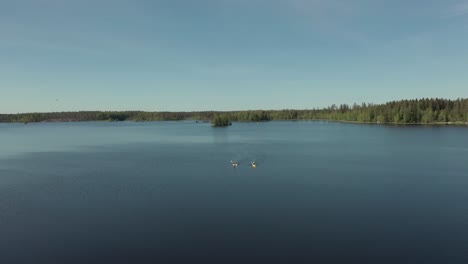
225	111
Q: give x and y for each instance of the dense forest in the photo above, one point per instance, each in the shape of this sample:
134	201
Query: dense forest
221	120
418	111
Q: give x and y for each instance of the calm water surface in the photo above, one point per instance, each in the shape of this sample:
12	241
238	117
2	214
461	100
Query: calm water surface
165	192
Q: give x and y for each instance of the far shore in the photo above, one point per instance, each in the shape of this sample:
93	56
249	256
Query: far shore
426	111
261	121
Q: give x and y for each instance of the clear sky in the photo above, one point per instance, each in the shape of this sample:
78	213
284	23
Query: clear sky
63	55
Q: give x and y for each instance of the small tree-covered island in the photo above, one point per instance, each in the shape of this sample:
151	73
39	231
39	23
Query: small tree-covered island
220	120
417	111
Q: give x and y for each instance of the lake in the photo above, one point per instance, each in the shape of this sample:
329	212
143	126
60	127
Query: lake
165	192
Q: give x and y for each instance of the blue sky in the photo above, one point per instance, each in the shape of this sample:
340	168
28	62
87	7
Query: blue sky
63	55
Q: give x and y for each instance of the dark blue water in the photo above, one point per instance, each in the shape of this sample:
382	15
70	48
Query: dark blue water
166	193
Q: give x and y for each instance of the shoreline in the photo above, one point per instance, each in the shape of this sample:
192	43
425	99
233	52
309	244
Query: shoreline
200	121
426	111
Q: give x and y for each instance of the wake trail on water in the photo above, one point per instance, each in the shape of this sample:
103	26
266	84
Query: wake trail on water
248	153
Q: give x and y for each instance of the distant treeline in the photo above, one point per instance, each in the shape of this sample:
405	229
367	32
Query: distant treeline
221	120
418	111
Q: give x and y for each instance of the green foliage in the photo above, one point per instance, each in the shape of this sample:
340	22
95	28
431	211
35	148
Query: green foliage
419	111
220	120
113	116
